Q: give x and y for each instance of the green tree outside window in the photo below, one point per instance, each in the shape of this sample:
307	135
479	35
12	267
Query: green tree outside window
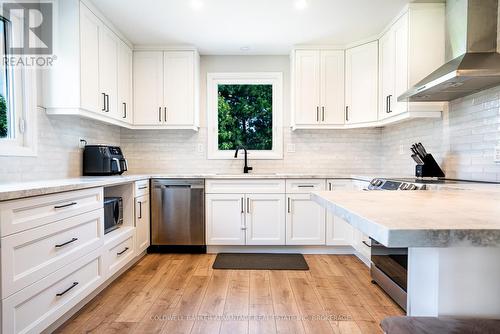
3	117
245	115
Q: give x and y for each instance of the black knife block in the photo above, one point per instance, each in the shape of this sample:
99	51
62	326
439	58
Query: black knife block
430	168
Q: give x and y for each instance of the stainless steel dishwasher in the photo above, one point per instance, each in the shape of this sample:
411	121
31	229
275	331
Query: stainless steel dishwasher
178	215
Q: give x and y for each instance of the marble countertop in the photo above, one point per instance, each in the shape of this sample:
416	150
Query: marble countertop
15	190
432	218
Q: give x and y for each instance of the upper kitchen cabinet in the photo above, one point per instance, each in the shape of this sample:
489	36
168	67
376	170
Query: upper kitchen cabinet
361	84
318	88
166	89
410	48
124	109
96	60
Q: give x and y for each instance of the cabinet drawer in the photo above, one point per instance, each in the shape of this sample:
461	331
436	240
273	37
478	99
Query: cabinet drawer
23	214
298	186
34	308
31	255
120	252
238	186
141	188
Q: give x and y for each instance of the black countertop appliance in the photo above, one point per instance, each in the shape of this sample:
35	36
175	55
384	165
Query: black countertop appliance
103	160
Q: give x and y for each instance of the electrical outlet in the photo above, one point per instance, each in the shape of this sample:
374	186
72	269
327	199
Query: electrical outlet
201	148
290	148
82	142
401	149
496	154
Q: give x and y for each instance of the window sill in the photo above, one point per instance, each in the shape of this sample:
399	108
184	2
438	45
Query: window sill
252	155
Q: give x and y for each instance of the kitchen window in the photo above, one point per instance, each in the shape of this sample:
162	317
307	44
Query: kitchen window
17	96
245	109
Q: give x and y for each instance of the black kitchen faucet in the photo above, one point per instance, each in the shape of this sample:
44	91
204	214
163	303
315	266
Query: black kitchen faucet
246	168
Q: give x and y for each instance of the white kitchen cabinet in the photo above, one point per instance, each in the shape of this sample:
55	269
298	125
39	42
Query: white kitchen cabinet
142	230
305	221
225	219
318	78
265	219
166	89
179	87
108	70
85	78
89	43
361	243
361	84
338	231
405	58
124	109
148	87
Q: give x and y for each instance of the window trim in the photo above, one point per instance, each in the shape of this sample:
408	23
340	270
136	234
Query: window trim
271	78
23	93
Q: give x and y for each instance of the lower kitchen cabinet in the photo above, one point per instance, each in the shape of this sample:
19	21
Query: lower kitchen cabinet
142	239
361	243
305	223
245	219
338	231
265	219
225	219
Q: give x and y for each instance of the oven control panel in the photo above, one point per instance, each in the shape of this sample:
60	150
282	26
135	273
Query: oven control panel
384	184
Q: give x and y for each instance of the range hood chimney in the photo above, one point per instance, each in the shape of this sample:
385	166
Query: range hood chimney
474	61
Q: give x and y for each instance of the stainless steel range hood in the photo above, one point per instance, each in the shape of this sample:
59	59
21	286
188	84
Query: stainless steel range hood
472	48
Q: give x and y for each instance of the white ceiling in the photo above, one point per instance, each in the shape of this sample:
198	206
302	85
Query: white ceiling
265	26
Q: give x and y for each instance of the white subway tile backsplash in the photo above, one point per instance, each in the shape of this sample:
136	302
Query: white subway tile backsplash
463	142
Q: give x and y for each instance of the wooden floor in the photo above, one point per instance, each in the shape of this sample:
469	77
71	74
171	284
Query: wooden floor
175	293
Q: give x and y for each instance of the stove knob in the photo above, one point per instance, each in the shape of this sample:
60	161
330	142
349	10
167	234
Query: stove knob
379	183
413	187
403	186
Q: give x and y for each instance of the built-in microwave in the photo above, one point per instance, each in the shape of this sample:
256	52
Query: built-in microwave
113	213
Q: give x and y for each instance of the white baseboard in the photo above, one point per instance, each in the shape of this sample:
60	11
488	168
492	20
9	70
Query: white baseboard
282	249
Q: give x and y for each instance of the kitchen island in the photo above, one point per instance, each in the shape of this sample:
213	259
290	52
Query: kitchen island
453	241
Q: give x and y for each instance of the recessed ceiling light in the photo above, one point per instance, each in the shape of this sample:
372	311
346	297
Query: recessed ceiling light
245	48
301	4
197	4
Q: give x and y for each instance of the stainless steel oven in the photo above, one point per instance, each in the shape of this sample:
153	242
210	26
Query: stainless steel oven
389	269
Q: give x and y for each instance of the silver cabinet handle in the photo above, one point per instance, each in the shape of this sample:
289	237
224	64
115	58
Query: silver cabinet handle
322	114
329	186
66	243
305	186
159	114
288	206
248	205
71	287
165	113
124	110
242	206
347	113
317	114
143	187
140	210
